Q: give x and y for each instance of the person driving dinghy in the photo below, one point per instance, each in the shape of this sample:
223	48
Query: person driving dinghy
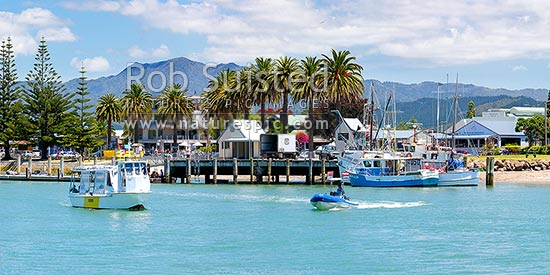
340	191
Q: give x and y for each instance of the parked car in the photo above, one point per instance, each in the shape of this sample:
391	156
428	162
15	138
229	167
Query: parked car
327	152
67	155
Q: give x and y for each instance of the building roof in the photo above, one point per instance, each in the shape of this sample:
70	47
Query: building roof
502	128
479	126
526	112
242	130
353	124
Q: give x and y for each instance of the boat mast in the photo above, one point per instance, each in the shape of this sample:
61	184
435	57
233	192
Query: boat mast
371	116
437	112
453	142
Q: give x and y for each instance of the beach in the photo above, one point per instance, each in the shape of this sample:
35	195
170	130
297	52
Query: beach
519	176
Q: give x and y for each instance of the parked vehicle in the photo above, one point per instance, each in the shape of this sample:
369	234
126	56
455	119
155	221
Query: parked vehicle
327	152
278	145
67	155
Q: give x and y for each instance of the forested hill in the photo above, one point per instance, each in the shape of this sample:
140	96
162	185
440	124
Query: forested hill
424	110
414	91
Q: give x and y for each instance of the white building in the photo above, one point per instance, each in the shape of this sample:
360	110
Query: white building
350	133
240	139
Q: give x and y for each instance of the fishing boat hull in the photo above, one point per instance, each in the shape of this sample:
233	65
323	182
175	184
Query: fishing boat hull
459	178
323	201
109	201
415	179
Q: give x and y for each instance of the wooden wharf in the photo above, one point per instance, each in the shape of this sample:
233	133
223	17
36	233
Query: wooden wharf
258	171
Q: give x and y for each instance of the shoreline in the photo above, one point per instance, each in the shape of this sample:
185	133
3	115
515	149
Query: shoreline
501	177
522	177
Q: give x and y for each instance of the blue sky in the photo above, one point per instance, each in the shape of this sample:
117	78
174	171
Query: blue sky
487	42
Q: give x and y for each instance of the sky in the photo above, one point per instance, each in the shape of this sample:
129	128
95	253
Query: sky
493	43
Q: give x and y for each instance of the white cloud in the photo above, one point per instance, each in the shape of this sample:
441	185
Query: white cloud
57	34
27	27
98	5
137	52
161	51
442	32
519	68
94	64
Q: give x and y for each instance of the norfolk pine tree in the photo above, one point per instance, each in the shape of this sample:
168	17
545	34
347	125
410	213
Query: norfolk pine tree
9	93
46	106
82	136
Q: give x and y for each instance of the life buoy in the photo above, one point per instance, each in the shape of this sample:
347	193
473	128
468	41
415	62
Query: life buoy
408	155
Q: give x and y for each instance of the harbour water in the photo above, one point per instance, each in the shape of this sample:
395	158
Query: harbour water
225	229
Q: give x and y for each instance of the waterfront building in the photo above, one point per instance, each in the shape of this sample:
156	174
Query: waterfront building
240	139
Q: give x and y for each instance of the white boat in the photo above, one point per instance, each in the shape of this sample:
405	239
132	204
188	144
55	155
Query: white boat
121	186
453	173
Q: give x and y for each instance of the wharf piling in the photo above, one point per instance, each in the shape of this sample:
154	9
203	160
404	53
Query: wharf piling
30	167
215	176
235	171
49	166
269	171
19	164
250	170
489	171
60	172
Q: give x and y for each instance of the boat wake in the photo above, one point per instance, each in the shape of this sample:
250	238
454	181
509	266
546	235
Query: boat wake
390	204
239	197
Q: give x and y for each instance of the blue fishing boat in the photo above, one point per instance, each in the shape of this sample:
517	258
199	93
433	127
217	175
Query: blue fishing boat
393	172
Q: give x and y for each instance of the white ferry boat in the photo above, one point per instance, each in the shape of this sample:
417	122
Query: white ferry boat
121	186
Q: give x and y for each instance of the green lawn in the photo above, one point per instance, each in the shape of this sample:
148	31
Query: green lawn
517	157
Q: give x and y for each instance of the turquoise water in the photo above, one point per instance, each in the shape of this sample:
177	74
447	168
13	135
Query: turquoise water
207	229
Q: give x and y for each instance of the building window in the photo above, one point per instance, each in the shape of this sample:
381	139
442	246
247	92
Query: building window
343	136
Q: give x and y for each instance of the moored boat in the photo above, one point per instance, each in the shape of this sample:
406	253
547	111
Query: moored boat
121	186
393	172
453	172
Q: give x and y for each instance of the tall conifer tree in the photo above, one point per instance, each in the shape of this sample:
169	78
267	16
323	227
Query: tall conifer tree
46	105
82	134
9	92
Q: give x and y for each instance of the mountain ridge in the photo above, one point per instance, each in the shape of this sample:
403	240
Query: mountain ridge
197	81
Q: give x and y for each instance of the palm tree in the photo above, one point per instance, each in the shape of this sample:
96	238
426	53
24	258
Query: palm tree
175	104
262	82
241	94
136	103
343	82
309	88
285	68
109	110
216	102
